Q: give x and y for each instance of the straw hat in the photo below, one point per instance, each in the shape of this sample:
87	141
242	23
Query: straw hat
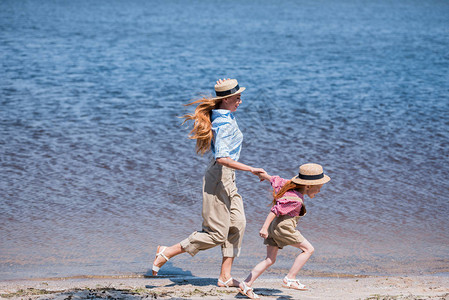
311	174
227	88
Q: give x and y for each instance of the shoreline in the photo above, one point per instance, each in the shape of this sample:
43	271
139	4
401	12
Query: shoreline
190	287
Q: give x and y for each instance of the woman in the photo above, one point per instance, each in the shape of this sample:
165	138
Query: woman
216	129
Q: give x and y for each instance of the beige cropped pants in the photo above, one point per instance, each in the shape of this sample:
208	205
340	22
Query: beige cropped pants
223	214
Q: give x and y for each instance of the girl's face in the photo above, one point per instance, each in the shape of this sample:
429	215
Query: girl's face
231	103
312	190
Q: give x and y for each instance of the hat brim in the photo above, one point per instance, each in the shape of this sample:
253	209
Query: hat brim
241	89
311	182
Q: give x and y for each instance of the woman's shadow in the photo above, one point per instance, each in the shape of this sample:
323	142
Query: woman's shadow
179	276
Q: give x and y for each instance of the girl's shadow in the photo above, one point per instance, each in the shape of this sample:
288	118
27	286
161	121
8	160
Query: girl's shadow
269	293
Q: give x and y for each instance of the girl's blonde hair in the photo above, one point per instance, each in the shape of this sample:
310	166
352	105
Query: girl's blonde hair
288	186
202	125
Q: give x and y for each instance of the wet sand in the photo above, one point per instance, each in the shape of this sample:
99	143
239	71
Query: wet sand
139	287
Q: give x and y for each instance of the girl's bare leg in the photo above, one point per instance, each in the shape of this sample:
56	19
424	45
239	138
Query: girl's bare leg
301	259
272	252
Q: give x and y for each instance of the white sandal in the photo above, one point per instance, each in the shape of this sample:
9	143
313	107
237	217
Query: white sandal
301	287
159	253
247	289
225	283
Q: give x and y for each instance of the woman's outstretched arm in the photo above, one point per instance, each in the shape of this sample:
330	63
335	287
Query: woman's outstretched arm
230	163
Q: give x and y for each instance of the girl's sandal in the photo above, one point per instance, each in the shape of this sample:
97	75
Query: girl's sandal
159	253
245	291
299	286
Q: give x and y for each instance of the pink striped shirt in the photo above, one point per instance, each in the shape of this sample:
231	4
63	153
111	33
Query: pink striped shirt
287	204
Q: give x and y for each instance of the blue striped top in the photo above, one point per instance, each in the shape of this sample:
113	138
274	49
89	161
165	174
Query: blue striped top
228	138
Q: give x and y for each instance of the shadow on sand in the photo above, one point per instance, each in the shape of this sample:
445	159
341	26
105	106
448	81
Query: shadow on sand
270	293
179	277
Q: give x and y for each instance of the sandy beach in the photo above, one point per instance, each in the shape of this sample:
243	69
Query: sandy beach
135	287
97	170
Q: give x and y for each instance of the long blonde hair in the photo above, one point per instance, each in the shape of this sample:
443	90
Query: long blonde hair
202	125
289	185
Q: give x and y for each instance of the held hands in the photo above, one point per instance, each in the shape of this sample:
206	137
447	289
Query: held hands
258	172
263	175
263	232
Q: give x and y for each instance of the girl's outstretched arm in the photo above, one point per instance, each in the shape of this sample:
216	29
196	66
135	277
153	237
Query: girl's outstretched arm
264	231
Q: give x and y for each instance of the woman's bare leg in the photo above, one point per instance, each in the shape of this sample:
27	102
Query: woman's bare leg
170	252
225	274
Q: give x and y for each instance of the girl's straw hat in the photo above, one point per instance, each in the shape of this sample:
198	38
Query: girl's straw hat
311	174
227	88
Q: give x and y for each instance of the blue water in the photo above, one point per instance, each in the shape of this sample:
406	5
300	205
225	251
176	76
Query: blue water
96	171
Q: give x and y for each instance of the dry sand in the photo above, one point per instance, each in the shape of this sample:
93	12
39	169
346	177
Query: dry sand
136	287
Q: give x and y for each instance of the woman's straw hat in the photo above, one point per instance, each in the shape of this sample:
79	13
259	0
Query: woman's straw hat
227	88
311	174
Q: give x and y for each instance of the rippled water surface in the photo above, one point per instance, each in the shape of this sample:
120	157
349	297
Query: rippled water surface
95	169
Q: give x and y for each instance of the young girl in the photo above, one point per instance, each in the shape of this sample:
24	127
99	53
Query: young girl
279	229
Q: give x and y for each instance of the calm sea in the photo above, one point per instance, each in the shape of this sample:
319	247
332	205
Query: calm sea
96	169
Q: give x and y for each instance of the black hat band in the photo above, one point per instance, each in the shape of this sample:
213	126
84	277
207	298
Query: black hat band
228	92
310	177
